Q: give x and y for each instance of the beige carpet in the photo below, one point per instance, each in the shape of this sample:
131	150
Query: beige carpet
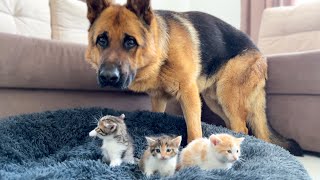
312	165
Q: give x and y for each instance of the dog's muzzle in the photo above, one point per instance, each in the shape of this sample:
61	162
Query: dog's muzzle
108	75
111	75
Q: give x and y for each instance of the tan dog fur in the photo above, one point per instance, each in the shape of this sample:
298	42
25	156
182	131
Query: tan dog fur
168	65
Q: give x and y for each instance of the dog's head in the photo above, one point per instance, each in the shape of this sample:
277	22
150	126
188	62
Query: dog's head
120	40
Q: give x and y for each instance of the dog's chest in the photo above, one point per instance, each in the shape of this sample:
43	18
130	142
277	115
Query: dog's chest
164	86
167	83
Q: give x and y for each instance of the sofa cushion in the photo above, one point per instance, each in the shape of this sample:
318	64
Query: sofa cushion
69	21
44	64
290	29
294	73
26	17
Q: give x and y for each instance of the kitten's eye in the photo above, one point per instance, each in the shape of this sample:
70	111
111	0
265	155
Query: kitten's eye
157	150
168	150
237	151
229	151
102	40
129	42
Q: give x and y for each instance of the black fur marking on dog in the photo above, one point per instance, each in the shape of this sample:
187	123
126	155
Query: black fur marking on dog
168	16
219	41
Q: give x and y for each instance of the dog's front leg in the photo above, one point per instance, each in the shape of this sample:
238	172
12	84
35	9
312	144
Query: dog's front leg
191	106
158	104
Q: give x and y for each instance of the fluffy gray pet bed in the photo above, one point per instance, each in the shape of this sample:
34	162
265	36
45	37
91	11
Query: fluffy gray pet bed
56	145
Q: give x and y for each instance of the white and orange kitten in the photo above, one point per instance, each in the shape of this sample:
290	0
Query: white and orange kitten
220	151
160	156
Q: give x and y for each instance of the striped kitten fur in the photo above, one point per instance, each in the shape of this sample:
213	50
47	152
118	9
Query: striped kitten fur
117	146
160	156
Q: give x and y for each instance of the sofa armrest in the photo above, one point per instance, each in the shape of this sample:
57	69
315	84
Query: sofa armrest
44	64
294	73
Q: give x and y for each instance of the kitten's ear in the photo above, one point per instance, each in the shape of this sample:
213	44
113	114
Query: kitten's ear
95	7
240	140
177	141
122	116
142	8
150	140
111	127
215	140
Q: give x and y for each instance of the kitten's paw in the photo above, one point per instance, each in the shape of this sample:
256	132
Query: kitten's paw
167	173
130	161
115	163
148	173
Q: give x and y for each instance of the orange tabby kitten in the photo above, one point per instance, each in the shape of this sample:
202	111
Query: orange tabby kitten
220	151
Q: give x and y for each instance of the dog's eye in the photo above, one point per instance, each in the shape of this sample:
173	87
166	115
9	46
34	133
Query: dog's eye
102	40
129	42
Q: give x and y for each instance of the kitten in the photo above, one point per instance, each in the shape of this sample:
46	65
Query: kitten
160	156
117	144
220	151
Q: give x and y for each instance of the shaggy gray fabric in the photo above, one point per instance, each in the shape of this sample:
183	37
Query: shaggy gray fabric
56	145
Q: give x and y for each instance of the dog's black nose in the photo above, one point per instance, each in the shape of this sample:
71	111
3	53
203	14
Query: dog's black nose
108	76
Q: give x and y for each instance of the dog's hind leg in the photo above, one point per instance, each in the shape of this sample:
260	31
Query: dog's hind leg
232	104
210	98
241	78
257	119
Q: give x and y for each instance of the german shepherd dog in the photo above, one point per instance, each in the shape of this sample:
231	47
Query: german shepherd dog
182	55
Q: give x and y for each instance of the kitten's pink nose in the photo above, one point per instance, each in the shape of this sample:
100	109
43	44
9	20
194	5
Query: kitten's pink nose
235	158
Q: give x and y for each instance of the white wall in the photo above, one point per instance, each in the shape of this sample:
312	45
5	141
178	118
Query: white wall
227	10
174	5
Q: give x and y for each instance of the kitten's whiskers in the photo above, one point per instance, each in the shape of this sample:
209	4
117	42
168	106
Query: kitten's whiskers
241	160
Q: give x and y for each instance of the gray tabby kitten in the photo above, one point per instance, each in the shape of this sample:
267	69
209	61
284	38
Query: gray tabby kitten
117	144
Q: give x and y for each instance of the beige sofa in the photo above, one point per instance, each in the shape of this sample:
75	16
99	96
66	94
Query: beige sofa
45	74
290	37
41	69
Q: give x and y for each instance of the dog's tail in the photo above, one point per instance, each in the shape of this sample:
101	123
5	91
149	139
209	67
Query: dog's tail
260	127
263	130
291	145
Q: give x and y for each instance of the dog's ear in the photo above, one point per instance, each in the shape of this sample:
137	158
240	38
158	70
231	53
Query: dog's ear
95	7
142	8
